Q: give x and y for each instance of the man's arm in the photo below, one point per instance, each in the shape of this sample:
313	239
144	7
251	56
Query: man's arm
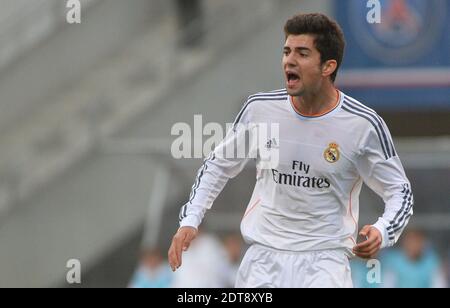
217	169
381	169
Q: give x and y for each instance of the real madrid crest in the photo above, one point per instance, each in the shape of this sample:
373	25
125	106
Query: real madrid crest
332	153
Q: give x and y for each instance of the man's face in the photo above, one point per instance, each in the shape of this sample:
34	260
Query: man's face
301	65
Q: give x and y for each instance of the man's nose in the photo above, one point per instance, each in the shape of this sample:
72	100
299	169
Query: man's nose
289	60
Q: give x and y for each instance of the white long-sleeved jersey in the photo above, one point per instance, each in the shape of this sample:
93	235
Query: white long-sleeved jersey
310	199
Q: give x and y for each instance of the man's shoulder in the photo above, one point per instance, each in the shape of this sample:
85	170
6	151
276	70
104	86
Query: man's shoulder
262	103
370	126
363	114
265	98
275	95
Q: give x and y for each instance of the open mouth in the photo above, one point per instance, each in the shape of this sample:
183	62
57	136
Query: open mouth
292	78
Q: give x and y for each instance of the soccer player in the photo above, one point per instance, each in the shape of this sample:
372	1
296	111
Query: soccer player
302	220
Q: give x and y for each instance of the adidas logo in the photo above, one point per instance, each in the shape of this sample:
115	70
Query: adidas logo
272	143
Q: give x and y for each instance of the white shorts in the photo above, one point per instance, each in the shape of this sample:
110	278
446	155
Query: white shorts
264	267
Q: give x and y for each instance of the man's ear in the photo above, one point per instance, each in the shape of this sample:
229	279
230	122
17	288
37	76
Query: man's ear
328	68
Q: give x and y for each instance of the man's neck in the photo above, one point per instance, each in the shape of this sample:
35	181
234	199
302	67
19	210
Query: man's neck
313	104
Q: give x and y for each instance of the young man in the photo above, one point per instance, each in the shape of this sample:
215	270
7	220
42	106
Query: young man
301	221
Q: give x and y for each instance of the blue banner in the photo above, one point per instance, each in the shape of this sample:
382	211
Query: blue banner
400	61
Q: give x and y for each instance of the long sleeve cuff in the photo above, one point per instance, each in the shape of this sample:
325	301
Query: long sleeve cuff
380	225
190	221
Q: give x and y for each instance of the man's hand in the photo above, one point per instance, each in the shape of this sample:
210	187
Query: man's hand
180	242
371	246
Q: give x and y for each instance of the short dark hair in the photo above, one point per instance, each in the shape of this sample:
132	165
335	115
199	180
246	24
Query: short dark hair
328	36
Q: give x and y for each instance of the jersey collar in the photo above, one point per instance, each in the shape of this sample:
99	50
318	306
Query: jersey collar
325	114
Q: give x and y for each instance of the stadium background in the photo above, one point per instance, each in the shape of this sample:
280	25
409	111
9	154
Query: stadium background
86	112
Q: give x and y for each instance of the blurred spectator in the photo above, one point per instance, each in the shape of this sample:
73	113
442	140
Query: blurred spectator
234	246
205	265
448	268
190	22
153	271
415	265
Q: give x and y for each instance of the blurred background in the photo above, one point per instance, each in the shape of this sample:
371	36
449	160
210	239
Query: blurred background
86	112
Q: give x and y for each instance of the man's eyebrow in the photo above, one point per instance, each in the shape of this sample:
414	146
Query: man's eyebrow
301	48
